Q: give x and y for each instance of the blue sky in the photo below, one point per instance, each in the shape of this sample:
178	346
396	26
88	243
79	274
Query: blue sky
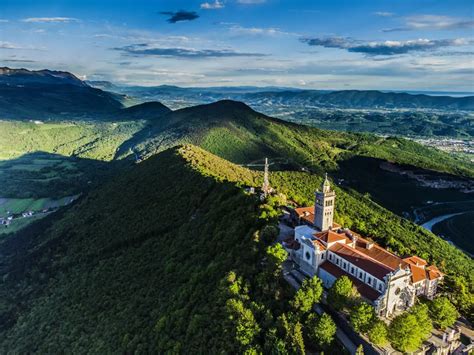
363	44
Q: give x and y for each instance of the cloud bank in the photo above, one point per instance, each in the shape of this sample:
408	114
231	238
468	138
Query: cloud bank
212	5
384	47
50	19
433	22
143	50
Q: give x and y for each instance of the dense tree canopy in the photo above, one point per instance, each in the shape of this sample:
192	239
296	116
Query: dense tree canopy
443	313
362	317
308	295
378	333
341	292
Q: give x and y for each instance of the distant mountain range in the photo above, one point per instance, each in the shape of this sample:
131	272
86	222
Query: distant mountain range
354	99
57	95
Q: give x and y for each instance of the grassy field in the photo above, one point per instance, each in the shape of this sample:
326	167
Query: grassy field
19	205
96	140
18	224
459	230
10	206
57	159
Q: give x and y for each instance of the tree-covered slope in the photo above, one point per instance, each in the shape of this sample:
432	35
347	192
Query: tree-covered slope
133	267
138	264
235	132
46	94
361	214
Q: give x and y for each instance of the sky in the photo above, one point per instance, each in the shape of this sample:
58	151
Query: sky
421	45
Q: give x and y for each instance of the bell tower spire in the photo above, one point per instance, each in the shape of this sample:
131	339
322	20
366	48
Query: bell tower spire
324	206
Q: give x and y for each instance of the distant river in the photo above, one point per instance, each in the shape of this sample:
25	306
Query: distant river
429	225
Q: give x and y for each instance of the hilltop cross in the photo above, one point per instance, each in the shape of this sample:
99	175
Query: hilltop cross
266	183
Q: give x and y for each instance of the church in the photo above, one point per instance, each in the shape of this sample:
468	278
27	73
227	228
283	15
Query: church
324	248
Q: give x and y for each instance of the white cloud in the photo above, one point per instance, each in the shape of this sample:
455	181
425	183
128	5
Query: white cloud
433	22
3	20
251	2
237	29
212	5
8	45
384	13
50	19
438	22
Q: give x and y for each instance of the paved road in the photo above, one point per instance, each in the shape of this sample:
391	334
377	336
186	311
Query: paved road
429	225
285	232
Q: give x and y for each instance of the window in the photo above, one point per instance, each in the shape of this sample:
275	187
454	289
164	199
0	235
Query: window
352	270
369	280
360	275
330	256
344	266
337	261
322	256
308	255
380	287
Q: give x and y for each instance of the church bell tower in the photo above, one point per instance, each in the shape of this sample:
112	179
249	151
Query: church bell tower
324	206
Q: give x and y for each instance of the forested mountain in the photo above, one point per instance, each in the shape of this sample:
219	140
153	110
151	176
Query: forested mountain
45	94
388	113
168	258
235	132
366	99
134	267
147	110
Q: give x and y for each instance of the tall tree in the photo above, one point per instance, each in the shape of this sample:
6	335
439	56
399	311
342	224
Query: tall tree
293	332
276	255
425	326
308	295
404	333
443	313
378	334
341	292
245	325
362	317
321	329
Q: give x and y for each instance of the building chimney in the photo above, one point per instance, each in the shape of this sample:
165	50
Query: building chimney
369	245
354	241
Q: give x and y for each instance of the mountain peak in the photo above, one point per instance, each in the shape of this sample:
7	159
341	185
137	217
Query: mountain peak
223	106
146	110
21	76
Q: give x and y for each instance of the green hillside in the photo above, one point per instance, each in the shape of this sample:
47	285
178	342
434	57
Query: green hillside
94	140
141	264
235	132
134	266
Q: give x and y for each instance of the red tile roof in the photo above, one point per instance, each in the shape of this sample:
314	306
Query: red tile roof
415	260
331	237
433	272
364	290
306	213
379	254
417	273
360	260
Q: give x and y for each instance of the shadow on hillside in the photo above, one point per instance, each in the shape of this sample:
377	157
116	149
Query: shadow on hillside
43	174
394	186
